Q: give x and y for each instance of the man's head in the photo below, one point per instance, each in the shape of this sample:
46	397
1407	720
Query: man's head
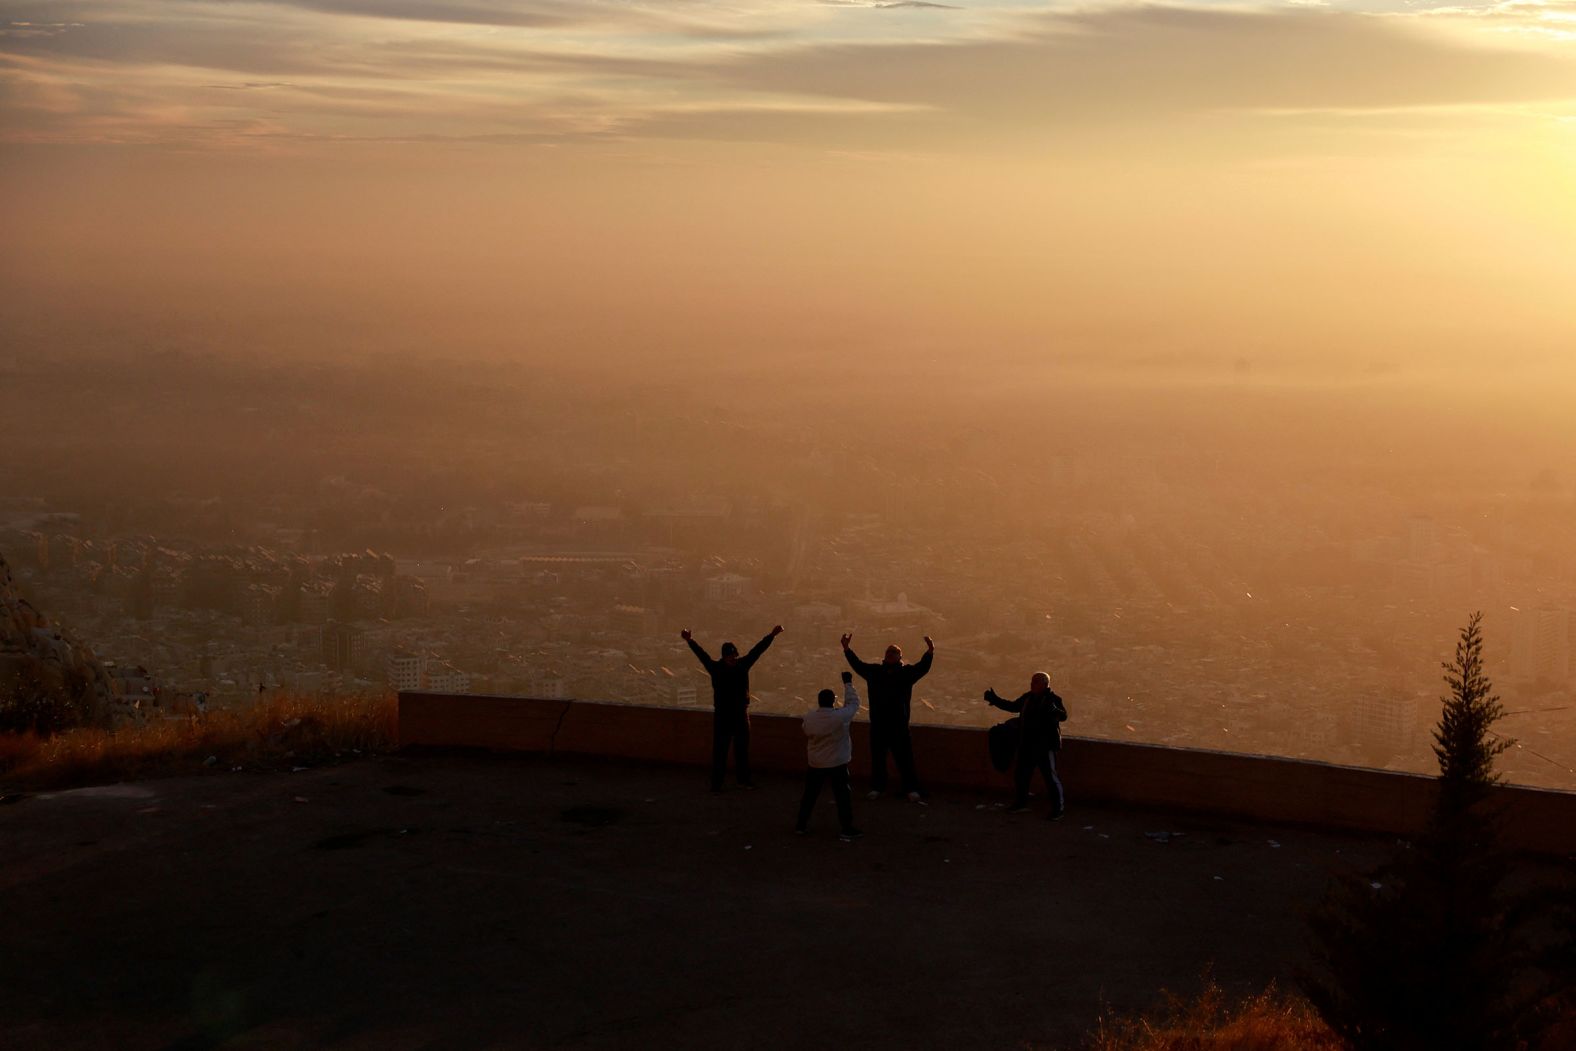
894	655
1039	682
730	652
826	698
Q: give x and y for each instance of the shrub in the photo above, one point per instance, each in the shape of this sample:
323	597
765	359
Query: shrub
280	731
1270	1021
45	699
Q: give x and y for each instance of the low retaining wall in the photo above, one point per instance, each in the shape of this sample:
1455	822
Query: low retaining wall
1259	788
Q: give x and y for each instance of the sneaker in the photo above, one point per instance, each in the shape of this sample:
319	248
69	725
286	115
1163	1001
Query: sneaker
848	835
801	832
748	786
874	793
1056	815
1018	808
914	797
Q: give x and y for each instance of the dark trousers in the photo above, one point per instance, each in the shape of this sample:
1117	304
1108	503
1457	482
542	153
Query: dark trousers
1043	760
838	776
730	728
893	738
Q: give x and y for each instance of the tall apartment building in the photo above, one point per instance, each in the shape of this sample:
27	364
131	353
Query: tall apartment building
342	646
406	671
1384	726
1540	645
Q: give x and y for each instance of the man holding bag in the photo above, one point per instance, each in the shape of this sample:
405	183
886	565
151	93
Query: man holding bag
1040	717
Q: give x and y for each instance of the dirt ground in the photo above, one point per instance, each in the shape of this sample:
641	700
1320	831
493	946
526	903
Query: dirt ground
486	902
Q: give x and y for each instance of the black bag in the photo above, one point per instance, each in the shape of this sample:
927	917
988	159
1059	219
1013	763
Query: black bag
1003	740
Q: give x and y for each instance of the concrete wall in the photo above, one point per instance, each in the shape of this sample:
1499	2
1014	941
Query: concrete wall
1260	788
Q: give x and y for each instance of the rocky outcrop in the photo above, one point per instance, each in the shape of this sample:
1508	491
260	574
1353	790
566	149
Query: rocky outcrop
48	680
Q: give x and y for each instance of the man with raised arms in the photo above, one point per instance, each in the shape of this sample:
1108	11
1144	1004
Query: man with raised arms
891	689
730	704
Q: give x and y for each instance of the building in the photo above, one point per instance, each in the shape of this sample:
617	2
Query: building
818	613
408	598
633	620
316	603
443	677
1383	726
258	604
727	587
547	686
894	613
366	597
1422	534
406	671
342	646
1540	645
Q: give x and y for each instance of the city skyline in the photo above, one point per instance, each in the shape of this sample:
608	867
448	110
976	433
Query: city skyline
1241	589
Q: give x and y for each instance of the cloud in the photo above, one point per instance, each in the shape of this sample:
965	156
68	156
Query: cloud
1176	76
463	12
541	14
1153	61
891	6
20	30
544	70
251	85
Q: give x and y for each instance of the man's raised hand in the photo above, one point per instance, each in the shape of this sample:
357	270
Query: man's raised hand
848	637
848	676
777	629
685	634
929	645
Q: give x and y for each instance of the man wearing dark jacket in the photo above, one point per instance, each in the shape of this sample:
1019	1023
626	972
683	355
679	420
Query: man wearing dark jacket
730	703
890	686
1040	717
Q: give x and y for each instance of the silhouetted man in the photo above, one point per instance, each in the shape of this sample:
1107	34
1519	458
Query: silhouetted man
1040	717
891	685
830	750
730	703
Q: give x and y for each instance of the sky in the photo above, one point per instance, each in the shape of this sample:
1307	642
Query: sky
1356	186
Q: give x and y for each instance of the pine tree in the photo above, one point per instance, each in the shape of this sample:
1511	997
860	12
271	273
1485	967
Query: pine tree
1418	955
1465	745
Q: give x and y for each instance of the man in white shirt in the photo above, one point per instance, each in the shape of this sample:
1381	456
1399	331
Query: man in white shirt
830	750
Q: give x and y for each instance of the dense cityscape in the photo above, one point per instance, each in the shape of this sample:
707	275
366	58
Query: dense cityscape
1282	622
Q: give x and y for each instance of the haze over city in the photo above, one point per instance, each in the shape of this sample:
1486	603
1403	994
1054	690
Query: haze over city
715	524
1216	358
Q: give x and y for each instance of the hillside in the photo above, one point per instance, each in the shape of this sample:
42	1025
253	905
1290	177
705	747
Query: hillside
48	680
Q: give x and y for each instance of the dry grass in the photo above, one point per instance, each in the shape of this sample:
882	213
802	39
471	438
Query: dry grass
1271	1021
281	731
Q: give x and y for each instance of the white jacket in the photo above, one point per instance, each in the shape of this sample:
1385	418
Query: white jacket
827	729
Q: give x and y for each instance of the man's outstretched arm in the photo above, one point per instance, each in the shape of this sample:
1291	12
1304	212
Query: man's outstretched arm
700	654
922	666
854	662
761	647
997	701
